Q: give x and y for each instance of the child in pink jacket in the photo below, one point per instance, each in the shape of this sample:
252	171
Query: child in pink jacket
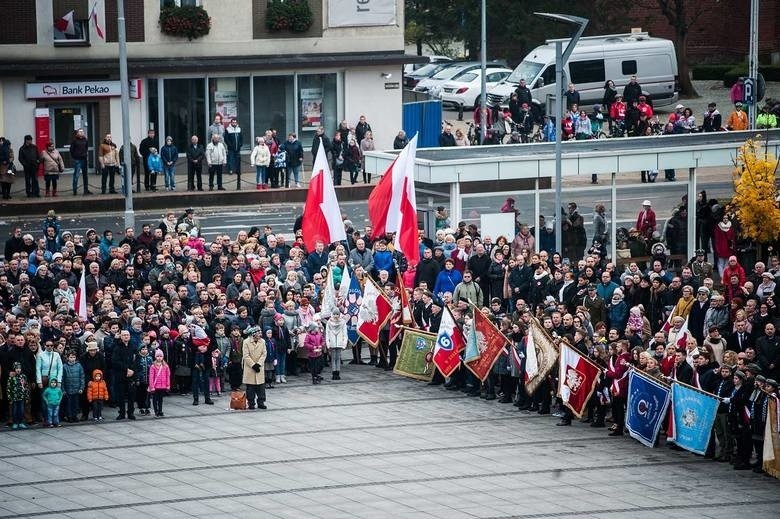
159	381
314	343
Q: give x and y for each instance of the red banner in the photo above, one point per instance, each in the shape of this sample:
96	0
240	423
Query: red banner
490	343
42	135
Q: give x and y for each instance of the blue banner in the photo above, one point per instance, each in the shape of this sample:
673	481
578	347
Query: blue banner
693	413
648	400
354	299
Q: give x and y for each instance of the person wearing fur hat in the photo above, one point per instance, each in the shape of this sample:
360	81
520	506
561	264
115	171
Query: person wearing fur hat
159	381
254	354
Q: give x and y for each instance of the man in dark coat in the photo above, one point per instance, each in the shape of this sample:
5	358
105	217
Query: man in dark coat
479	264
144	148
122	362
29	158
195	156
427	270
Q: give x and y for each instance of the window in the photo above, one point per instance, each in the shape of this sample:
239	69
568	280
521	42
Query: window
185	110
153	104
229	96
179	3
74	34
469	77
317	101
548	76
591	71
629	67
274	105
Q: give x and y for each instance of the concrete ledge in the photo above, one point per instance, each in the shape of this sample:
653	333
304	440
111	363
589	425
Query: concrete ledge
21	206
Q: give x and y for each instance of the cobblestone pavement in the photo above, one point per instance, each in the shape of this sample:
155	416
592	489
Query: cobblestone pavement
372	445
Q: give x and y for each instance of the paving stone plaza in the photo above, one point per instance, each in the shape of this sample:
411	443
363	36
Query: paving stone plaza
372	445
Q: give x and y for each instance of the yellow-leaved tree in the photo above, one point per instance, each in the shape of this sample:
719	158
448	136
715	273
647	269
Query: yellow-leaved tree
756	194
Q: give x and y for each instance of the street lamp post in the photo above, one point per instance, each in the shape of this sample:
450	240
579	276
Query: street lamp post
124	84
561	57
483	60
753	63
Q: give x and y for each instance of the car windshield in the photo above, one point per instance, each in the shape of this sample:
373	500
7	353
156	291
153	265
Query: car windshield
447	73
426	69
526	70
468	77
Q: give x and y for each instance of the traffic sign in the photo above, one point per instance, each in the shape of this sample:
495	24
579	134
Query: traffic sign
749	90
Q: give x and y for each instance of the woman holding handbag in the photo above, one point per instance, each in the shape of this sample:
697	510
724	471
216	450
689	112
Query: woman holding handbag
53	165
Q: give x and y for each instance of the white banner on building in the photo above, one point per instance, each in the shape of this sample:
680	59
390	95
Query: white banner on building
55	90
359	13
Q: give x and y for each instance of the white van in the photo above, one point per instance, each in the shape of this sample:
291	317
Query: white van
594	60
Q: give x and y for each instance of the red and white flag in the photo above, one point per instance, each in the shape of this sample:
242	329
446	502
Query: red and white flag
449	344
392	205
65	24
577	378
80	305
531	362
375	310
95	14
322	215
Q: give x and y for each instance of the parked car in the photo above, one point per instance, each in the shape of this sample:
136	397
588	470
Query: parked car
453	72
411	67
465	91
426	71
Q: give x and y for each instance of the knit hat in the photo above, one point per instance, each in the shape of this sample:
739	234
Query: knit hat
92	346
158	354
278	316
17	365
136	320
164	329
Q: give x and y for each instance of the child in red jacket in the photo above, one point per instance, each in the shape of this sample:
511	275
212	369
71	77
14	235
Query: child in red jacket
159	381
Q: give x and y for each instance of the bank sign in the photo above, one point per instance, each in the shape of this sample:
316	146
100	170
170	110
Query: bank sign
361	13
73	89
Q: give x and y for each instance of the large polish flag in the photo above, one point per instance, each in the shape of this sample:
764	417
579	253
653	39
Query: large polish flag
577	379
80	305
65	24
392	205
322	215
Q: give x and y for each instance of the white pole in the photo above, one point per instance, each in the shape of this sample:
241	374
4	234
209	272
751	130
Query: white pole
558	120
483	60
753	62
123	80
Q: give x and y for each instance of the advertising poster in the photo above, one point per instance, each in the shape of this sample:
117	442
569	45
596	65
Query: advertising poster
311	108
226	103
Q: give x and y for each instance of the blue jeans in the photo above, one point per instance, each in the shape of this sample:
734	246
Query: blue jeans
295	171
17	411
261	175
281	361
53	414
233	161
200	383
170	179
80	166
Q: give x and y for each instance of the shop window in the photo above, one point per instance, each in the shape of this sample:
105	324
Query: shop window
274	104
229	97
317	103
185	110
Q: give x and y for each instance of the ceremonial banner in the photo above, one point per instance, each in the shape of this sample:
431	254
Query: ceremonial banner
693	413
545	353
648	400
489	342
771	461
449	343
354	299
577	379
415	358
375	310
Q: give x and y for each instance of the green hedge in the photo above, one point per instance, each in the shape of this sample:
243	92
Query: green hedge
770	73
711	72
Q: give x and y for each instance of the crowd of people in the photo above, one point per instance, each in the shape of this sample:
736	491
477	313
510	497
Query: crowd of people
276	161
169	312
627	113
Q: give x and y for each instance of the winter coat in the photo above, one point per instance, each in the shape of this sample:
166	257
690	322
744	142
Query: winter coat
216	154
294	153
73	378
446	281
52	162
18	390
724	240
6	163
141	368
154	162
314	344
169	153
254	353
52	396
97	389
159	377
234	139
260	156
48	364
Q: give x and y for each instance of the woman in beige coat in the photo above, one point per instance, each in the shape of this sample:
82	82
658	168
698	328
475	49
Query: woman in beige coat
53	165
253	361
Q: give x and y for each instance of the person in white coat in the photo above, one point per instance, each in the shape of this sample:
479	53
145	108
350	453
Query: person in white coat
336	334
260	159
216	158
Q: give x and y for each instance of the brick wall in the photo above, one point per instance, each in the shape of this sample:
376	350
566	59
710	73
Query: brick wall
21	27
134	20
259	30
722	33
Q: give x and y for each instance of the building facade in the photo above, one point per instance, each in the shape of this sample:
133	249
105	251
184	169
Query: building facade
59	70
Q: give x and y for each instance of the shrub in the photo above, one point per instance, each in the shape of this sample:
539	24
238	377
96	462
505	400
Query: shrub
770	73
289	15
712	72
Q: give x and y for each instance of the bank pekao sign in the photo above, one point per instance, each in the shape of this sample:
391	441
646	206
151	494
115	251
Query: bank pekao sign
360	13
59	90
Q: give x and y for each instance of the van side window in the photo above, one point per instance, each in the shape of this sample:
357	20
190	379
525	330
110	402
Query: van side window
629	67
591	71
549	75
